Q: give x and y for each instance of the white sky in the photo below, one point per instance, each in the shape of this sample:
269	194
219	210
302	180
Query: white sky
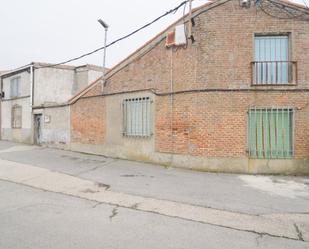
56	30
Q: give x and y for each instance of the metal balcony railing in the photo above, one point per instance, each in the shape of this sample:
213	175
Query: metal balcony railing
274	72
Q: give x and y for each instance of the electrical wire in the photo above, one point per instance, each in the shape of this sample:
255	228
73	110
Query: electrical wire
172	11
266	5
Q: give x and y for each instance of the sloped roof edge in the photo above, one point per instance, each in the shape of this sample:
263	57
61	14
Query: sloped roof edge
84	91
195	12
88	88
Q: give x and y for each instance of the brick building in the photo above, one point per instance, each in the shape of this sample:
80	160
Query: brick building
235	98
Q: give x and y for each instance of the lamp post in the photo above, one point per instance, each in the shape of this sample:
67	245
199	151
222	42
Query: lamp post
105	26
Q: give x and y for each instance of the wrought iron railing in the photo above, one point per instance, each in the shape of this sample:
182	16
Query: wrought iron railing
274	72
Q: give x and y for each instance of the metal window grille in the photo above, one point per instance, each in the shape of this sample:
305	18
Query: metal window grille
270	133
16	117
15	87
137	119
272	65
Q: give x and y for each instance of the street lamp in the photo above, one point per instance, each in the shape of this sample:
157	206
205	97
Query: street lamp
105	26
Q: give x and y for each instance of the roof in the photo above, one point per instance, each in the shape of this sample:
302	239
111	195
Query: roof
49	65
195	12
293	4
157	37
3	72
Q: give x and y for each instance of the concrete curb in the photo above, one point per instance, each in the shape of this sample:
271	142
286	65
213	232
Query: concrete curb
291	226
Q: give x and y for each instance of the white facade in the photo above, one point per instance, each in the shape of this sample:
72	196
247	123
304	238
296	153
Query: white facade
24	133
43	95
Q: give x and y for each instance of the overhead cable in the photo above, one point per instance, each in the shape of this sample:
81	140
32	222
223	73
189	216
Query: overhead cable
172	11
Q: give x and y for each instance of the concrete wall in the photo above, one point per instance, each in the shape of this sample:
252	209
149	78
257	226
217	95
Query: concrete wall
52	85
24	84
84	76
23	134
56	86
55	126
118	145
93	75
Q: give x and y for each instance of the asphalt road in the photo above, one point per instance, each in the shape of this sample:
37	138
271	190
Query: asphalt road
34	218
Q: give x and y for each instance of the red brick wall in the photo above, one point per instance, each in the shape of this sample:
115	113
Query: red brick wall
220	57
88	121
214	124
210	124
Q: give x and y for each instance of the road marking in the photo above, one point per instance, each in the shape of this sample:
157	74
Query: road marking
277	225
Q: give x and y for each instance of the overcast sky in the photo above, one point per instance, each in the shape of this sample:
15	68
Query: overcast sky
56	30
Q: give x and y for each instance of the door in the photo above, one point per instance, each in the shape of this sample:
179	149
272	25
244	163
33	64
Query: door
38	129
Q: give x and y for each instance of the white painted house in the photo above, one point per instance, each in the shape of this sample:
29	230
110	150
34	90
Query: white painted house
34	102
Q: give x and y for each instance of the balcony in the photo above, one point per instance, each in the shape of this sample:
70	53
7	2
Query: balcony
269	73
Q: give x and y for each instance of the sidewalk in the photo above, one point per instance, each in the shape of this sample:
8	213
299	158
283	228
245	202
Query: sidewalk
291	226
277	206
237	193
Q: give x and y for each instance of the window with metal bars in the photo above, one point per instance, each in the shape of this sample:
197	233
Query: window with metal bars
137	120
272	64
270	133
16	117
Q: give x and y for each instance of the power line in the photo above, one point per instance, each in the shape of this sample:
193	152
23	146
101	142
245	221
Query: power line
121	38
268	7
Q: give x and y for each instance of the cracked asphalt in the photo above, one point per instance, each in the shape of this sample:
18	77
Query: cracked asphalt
36	218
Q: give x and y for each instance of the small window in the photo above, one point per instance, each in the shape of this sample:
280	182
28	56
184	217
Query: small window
272	64
15	87
137	117
270	133
16	117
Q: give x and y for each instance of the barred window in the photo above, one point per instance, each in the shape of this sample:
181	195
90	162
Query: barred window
272	65
15	87
16	117
137	120
270	132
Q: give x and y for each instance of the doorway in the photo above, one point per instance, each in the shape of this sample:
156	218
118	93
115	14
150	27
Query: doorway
37	129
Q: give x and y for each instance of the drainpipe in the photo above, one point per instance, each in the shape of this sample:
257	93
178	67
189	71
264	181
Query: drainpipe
1	87
31	84
32	97
171	104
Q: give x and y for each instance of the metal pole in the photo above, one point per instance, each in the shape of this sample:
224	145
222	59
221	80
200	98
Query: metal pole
190	18
104	60
105	26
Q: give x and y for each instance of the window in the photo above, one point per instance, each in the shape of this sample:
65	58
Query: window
270	133
15	87
137	117
16	117
272	65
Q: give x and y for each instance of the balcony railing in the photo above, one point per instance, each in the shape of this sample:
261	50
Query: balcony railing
274	72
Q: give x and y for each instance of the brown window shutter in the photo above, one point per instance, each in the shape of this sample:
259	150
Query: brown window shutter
170	39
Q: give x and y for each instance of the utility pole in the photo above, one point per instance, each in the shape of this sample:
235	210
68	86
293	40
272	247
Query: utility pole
105	26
